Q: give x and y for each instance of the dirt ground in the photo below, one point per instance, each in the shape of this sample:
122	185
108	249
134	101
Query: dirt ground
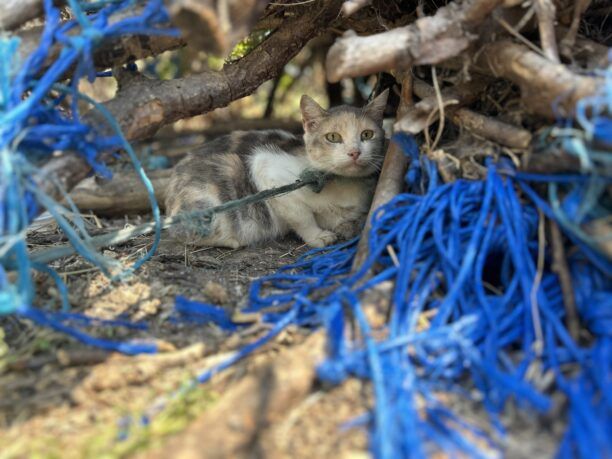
62	399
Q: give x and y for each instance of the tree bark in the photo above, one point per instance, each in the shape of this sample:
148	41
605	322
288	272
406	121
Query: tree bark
124	194
110	53
15	13
547	88
428	40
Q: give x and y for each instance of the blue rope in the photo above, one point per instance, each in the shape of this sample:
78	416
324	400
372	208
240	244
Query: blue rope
33	126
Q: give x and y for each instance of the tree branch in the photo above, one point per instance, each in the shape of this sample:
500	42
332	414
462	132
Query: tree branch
142	106
545	86
428	40
15	13
391	179
122	195
546	11
418	117
110	53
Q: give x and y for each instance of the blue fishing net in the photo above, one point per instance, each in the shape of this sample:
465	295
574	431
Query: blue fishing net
35	123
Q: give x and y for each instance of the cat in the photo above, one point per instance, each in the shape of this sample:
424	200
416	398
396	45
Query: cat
345	141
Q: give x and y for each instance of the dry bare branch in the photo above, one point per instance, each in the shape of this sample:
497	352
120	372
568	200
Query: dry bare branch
418	117
546	11
15	13
545	86
350	7
428	40
492	129
570	37
391	178
124	194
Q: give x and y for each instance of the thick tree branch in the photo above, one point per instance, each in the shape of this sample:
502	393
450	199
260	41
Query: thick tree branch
110	53
546	11
428	40
391	179
570	37
142	106
15	13
419	116
123	194
547	88
492	129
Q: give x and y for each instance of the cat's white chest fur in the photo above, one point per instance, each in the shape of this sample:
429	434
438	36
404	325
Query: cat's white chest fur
312	215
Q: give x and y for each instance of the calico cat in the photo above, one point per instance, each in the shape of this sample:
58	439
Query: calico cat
345	141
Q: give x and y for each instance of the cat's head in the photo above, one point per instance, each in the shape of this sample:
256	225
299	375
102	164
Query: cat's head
345	140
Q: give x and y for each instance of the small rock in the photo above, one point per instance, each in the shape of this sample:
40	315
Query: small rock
216	293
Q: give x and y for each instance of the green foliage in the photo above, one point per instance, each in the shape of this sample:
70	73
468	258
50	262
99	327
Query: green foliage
248	44
172	420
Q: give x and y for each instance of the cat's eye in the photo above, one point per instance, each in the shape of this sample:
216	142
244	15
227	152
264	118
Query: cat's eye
333	137
367	134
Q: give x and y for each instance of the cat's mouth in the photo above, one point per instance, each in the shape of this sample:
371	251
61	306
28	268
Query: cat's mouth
357	168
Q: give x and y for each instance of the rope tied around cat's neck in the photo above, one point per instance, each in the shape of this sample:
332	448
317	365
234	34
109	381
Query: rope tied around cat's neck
314	179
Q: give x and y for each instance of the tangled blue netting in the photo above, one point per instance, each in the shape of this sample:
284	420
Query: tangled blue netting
33	125
466	253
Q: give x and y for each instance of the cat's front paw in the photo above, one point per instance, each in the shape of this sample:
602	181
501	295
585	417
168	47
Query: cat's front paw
322	239
349	229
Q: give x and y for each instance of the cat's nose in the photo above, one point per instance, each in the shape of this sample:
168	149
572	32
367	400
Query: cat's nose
354	154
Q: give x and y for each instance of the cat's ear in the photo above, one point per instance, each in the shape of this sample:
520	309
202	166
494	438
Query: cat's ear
312	112
376	108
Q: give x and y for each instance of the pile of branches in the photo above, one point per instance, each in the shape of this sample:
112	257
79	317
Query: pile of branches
545	49
492	75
